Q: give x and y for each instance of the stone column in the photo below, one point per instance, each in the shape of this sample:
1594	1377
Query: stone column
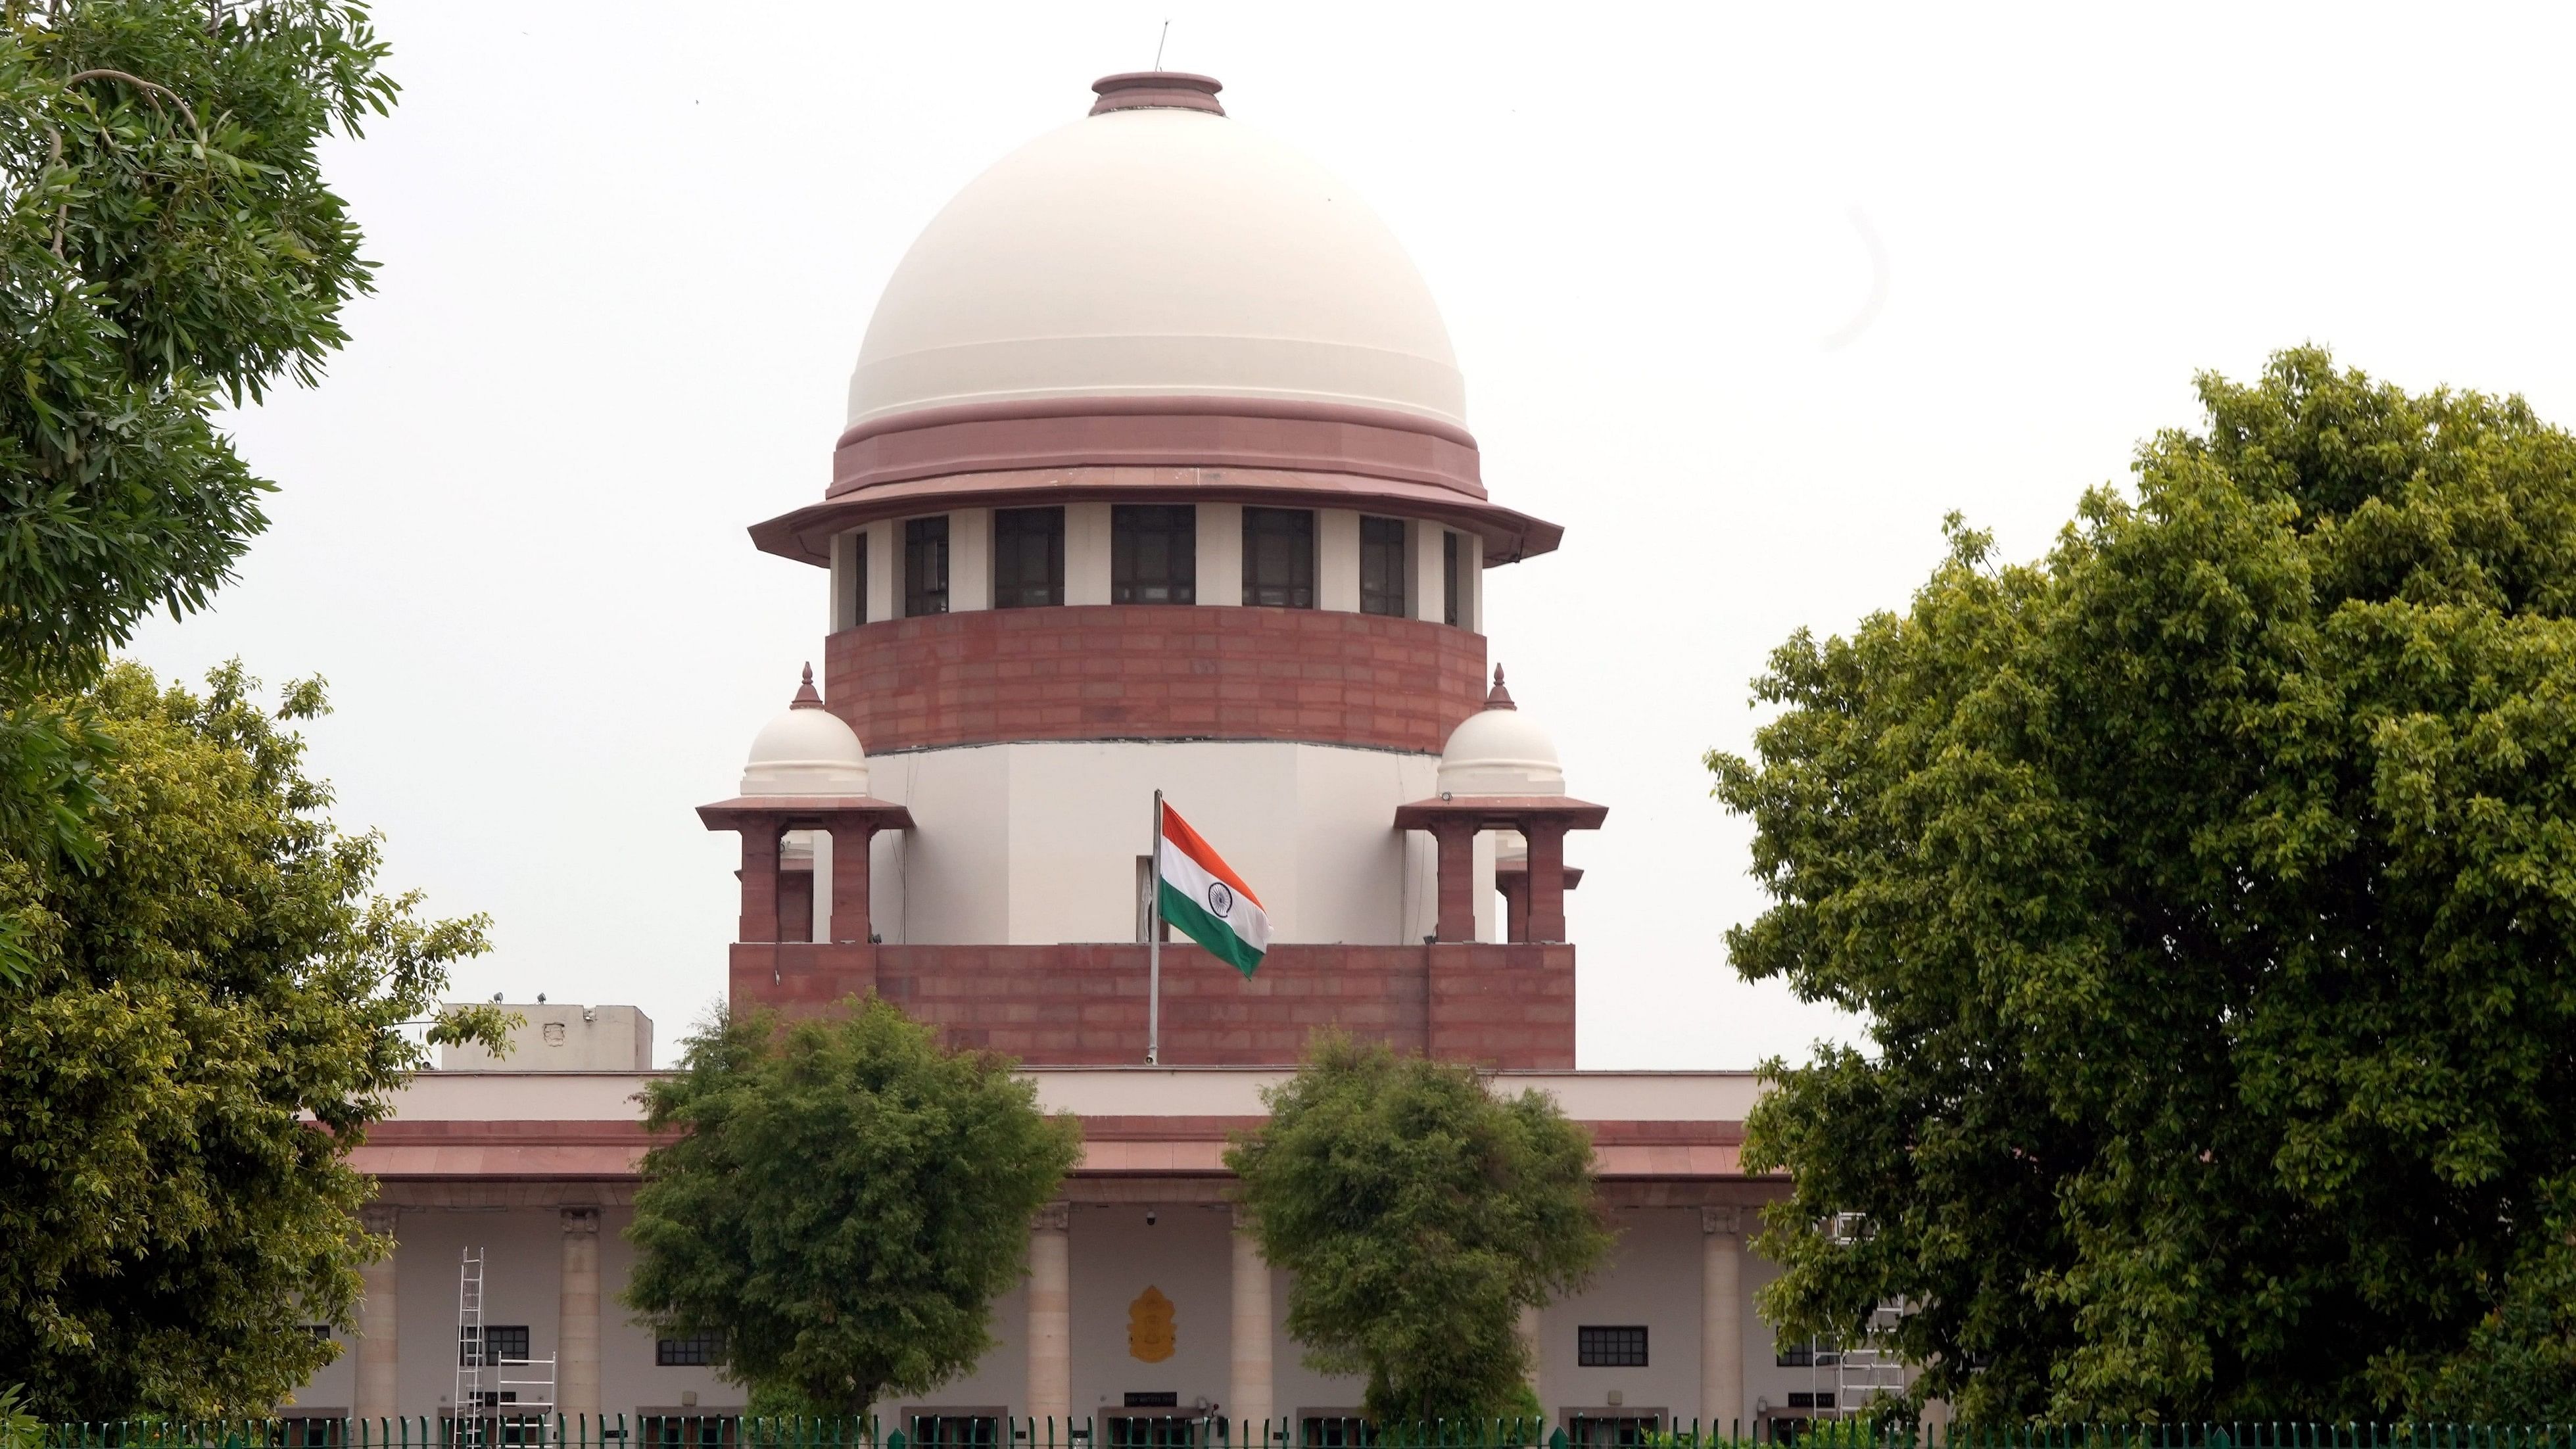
1457	879
1534	1344
577	1331
1248	1390
1546	880
850	883
1721	1317
379	1345
760	841
1050	1319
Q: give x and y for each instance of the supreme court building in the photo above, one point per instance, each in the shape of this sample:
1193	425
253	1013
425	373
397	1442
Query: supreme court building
1156	475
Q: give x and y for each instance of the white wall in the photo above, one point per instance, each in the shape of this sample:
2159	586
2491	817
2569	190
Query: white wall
885	570
522	1278
582	1039
970	559
1337	560
1188	1254
1121	1091
1220	562
1036	842
1086	553
1653	1280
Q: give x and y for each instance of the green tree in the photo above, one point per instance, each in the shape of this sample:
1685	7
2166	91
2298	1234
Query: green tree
843	1204
2208	890
222	984
167	246
1417	1213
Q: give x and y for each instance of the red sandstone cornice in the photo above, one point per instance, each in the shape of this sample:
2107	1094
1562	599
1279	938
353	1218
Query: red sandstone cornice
805	533
1192	432
1501	812
1120	1146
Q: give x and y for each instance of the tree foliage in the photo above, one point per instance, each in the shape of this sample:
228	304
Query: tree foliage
167	245
2209	890
844	1203
1417	1213
170	1220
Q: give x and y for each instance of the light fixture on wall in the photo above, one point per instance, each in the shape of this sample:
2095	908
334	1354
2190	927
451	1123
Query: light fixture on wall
1149	1217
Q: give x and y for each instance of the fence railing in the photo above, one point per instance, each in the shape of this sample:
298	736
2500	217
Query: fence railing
1609	1428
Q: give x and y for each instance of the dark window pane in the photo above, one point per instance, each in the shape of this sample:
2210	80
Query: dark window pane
1153	553
696	1348
1279	557
1028	557
956	1431
498	1341
1382	566
1449	579
1613	1346
925	566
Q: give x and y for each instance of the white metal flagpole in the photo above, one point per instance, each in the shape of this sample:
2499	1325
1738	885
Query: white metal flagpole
1154	941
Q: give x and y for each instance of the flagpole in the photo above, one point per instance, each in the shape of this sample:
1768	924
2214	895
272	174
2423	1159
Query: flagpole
1154	941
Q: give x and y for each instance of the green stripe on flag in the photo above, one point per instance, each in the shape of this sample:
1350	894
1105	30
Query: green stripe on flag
1195	921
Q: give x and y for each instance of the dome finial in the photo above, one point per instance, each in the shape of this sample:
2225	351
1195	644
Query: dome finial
806	698
1156	90
1501	698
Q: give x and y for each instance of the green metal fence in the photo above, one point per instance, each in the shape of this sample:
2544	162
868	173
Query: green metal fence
1183	1430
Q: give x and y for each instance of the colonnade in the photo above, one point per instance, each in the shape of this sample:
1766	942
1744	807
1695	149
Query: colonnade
379	1346
1252	1353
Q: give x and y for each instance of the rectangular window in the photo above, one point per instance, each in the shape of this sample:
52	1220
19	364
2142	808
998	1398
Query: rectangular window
925	566
936	1430
1028	558
500	1342
1449	578
1335	1429
314	1428
1279	557
1153	553
687	1429
1810	1401
1814	1353
696	1348
1153	1431
1382	566
1612	1430
1613	1346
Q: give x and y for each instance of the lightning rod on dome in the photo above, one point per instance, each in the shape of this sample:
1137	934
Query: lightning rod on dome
1159	42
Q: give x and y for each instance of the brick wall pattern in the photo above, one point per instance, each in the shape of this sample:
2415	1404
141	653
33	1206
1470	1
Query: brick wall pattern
1110	671
1084	1005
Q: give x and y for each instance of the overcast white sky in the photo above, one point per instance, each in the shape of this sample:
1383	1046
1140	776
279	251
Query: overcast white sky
1747	298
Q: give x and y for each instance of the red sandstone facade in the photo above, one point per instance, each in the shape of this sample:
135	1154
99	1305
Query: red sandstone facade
1084	1005
1106	671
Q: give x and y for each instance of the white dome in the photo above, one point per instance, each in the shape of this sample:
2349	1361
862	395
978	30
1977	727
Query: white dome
1500	751
807	751
1156	252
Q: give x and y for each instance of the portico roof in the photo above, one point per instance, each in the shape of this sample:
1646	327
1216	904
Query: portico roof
1139	1123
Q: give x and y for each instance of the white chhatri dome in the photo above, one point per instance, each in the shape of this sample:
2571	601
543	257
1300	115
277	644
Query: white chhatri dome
807	751
1500	751
1156	250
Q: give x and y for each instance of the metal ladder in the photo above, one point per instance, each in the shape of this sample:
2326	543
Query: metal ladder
509	1405
466	1408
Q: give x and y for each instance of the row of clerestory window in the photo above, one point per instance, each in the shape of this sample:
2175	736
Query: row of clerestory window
1153	559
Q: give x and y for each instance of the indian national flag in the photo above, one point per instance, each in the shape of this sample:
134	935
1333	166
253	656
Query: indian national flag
1206	901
